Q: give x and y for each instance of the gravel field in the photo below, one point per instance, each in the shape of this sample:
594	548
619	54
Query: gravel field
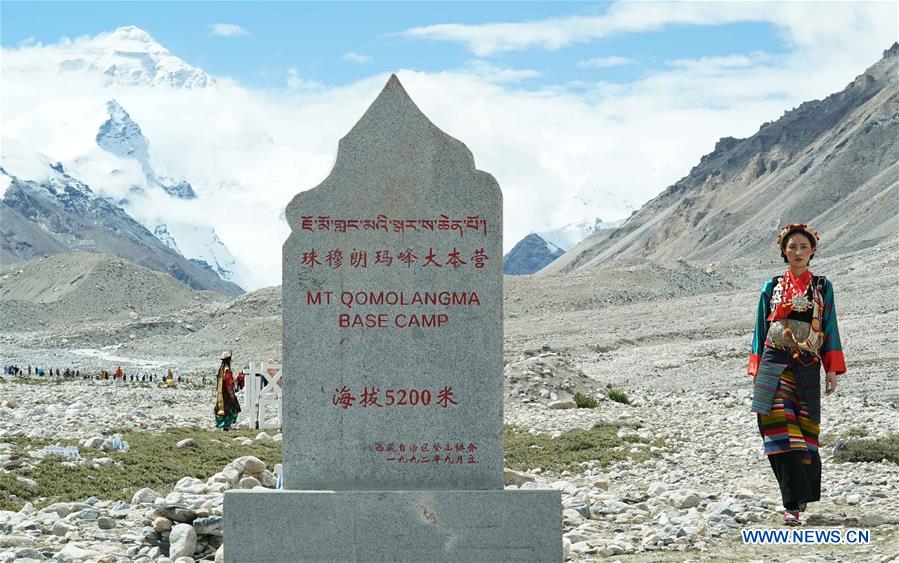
675	341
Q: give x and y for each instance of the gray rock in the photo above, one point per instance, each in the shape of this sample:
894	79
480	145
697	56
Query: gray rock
119	509
211	525
268	479
28	555
60	528
177	513
86	514
182	541
61	509
249	483
105	523
186	443
562	405
685	499
577	505
517	478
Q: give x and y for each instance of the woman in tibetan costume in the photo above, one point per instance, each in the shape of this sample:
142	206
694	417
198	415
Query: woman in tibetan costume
795	333
226	404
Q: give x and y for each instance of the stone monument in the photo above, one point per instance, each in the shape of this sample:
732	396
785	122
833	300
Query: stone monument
393	337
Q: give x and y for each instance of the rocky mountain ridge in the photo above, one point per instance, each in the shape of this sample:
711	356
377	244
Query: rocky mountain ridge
831	163
61	214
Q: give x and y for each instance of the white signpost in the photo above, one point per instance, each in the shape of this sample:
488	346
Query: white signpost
262	394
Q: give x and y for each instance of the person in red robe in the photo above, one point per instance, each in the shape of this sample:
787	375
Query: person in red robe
226	405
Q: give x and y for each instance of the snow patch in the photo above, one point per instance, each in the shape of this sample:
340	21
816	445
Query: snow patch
570	235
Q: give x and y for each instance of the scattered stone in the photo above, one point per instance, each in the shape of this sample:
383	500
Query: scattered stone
517	478
249	482
177	513
562	405
161	524
183	541
105	523
144	496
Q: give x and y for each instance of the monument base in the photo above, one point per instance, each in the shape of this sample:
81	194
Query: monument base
433	525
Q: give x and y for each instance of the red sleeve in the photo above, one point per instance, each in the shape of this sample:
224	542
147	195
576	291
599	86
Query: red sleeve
834	361
754	360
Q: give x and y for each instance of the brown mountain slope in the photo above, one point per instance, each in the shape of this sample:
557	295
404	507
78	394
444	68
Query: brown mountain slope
73	287
831	163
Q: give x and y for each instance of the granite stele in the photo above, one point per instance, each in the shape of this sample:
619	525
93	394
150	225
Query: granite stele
393	337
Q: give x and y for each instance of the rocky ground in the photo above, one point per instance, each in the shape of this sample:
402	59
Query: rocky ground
673	338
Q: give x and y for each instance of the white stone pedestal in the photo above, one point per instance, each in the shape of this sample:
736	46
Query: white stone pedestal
392	526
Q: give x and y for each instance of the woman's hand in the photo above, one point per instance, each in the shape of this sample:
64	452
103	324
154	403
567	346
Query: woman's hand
830	382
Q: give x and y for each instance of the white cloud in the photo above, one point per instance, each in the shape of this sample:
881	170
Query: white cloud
353	57
497	74
830	25
296	82
605	62
227	30
560	155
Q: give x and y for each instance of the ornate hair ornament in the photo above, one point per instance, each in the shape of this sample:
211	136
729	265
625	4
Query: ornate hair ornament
797	227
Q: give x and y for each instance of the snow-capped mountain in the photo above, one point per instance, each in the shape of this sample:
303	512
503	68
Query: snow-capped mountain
121	136
530	255
568	236
46	210
116	158
203	247
130	56
537	250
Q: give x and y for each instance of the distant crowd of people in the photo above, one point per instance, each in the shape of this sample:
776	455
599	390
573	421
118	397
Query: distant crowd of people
71	373
170	379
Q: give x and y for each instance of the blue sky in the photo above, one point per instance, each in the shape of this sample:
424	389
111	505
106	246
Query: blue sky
314	37
579	110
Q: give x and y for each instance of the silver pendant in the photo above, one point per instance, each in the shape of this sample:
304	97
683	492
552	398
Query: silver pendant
800	303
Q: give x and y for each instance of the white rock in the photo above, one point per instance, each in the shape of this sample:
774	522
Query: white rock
186	443
94	442
73	552
183	540
190	485
263	437
220	554
232	474
145	495
249	464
